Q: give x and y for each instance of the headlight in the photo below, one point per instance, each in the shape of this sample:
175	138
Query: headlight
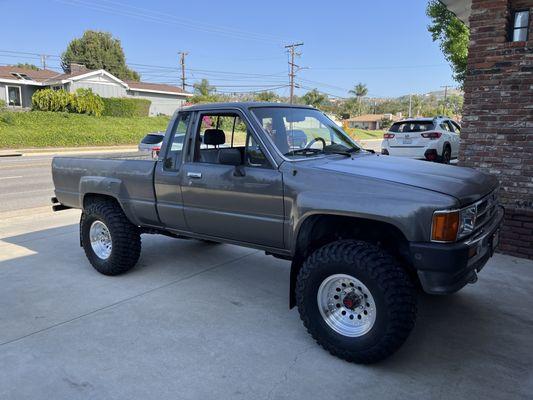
449	226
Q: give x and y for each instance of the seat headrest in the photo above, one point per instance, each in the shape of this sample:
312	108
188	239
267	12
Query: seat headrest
214	137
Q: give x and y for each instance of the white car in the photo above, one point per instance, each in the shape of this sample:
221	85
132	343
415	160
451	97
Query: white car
429	139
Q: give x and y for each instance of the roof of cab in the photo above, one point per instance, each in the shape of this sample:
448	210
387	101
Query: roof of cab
241	105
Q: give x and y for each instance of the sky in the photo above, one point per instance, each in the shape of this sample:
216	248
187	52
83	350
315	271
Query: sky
239	45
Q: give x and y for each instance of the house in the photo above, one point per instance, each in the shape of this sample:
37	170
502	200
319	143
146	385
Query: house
17	86
497	128
369	121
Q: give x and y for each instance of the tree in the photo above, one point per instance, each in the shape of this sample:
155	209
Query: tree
452	35
27	66
314	98
203	88
204	92
266	96
98	50
359	91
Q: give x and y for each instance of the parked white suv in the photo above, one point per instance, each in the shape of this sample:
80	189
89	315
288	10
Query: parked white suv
429	139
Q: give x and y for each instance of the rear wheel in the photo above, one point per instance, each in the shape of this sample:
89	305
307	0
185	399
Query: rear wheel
111	242
446	154
355	301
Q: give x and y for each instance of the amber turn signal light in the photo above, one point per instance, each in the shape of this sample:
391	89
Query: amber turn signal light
445	226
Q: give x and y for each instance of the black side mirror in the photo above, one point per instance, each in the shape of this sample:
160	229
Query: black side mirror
229	157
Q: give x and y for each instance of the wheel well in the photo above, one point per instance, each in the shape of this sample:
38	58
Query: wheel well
90	198
319	230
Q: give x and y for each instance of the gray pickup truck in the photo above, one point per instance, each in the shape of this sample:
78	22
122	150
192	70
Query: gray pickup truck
363	231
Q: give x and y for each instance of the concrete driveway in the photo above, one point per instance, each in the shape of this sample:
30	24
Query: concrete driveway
200	321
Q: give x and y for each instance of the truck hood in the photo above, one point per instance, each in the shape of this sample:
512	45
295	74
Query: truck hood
465	184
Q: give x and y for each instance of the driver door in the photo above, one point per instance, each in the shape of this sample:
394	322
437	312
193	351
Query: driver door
243	203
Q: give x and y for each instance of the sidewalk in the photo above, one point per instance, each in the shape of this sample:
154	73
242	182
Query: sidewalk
65	150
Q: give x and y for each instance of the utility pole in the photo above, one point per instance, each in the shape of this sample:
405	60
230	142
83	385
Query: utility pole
410	104
182	63
445	105
292	67
43	60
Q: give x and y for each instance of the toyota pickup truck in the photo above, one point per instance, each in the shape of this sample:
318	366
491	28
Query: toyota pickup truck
362	231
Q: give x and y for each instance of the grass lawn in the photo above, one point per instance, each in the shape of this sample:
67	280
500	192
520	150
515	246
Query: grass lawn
54	129
363	134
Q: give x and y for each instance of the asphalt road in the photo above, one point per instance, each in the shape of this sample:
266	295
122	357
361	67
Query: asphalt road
25	182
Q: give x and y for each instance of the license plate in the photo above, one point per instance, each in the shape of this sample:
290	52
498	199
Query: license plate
407	141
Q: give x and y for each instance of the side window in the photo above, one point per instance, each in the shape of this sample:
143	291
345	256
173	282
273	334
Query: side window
456	126
216	132
175	146
444	126
254	155
451	126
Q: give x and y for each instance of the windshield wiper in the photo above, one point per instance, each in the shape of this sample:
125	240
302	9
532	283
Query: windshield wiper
304	152
338	149
341	152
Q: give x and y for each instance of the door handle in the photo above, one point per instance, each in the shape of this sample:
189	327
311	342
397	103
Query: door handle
194	175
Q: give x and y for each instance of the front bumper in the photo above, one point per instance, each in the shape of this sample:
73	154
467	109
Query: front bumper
446	267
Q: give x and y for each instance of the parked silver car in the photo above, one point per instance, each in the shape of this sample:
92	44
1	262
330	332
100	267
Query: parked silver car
152	142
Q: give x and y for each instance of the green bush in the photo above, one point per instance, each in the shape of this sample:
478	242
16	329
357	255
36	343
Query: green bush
2	105
51	100
86	102
125	107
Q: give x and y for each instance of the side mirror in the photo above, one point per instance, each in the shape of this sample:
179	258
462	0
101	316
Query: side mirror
229	157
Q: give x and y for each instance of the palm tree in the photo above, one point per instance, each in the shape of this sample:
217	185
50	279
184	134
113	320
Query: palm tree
203	88
360	90
314	98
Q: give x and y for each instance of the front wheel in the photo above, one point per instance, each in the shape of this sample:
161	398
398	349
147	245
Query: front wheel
111	242
355	301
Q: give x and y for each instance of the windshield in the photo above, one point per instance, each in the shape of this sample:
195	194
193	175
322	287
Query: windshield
303	132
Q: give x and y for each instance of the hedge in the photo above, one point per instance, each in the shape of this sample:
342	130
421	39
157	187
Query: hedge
124	107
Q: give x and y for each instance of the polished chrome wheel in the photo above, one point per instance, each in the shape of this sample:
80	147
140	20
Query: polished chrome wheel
346	305
100	240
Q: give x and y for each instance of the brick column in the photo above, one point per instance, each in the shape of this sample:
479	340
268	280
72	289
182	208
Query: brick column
497	135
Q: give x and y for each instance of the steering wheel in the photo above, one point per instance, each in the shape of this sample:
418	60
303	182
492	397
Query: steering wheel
308	145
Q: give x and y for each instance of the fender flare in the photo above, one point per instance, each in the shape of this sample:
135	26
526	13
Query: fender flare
105	186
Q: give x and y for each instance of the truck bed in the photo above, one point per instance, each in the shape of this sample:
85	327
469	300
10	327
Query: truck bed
128	177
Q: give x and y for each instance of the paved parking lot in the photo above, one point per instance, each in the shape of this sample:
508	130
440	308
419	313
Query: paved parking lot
200	321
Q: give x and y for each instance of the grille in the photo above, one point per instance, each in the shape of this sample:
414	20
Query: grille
485	211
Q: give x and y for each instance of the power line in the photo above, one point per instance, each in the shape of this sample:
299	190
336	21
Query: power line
378	67
148	15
